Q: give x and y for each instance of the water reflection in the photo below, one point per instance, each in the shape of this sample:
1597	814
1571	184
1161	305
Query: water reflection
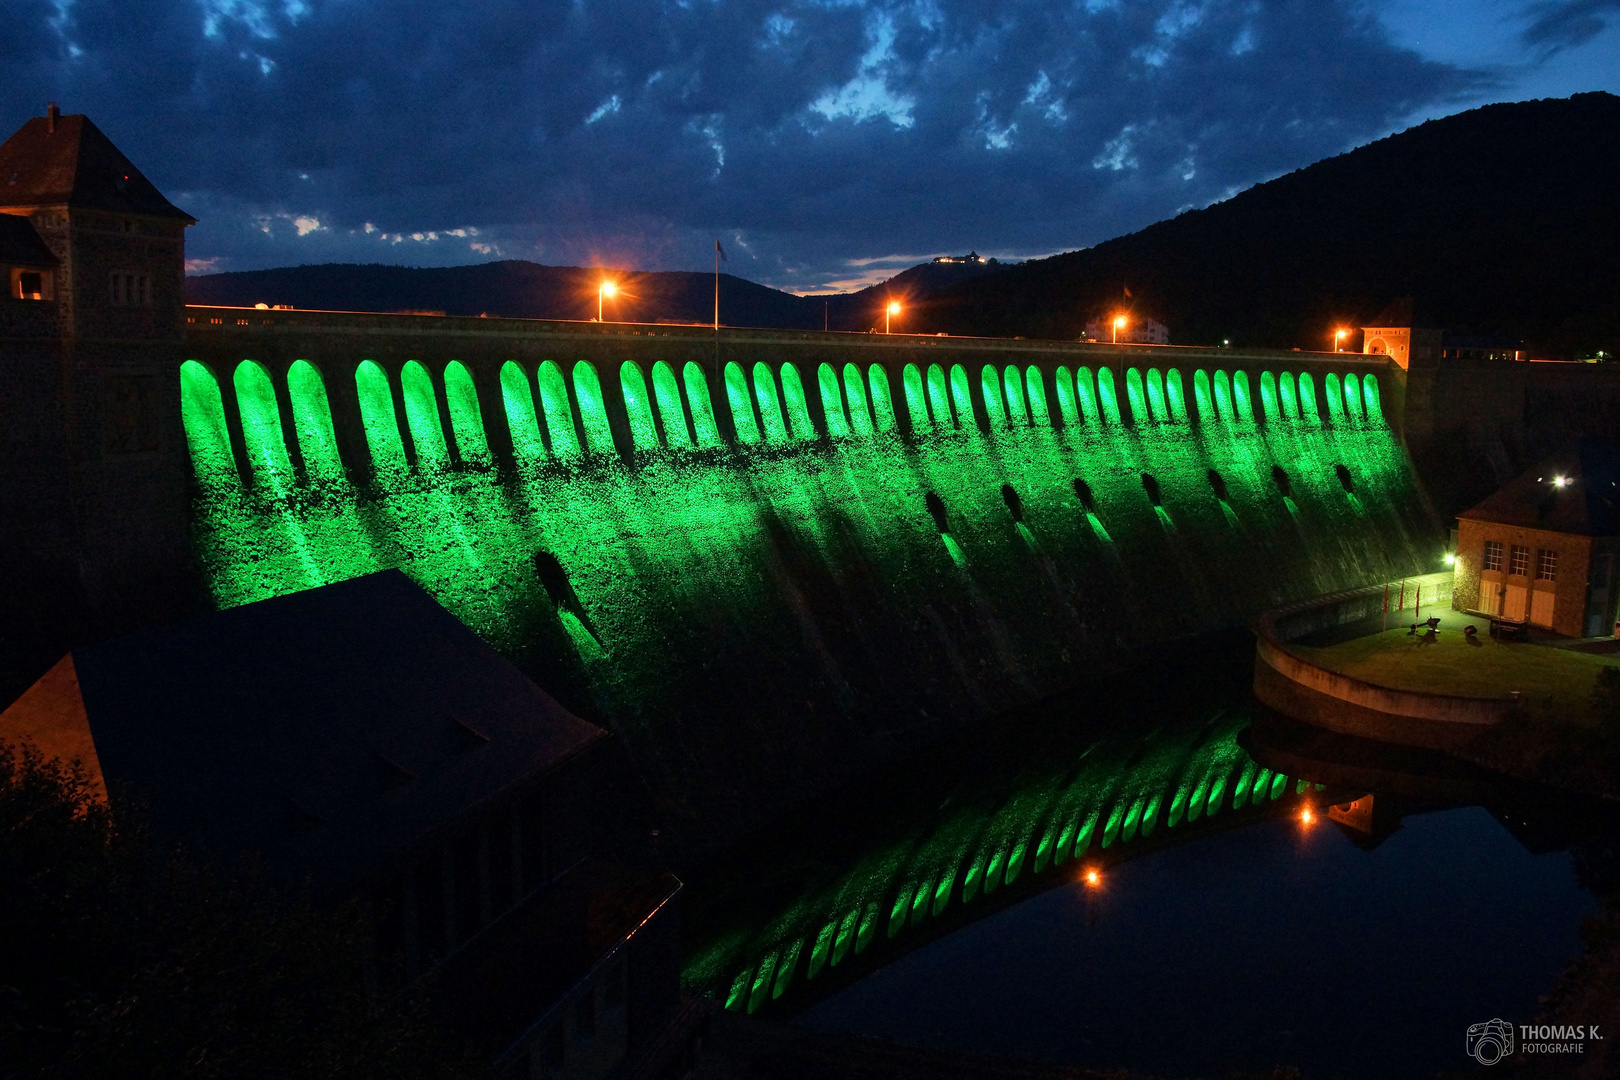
1360	943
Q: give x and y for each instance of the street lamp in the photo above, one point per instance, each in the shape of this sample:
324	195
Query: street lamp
606	288
889	313
1338	339
1119	324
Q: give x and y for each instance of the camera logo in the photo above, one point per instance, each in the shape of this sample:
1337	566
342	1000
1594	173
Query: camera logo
1491	1041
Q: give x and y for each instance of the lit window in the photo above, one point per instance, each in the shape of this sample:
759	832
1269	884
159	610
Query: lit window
1493	554
1521	560
1546	565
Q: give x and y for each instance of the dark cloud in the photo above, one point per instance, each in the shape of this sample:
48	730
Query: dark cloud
808	133
1562	24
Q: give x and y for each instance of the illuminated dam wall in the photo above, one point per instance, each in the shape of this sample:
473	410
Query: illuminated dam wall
766	570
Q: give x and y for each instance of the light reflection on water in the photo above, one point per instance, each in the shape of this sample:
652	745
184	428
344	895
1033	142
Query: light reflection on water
1271	944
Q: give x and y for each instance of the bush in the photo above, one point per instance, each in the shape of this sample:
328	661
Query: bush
120	958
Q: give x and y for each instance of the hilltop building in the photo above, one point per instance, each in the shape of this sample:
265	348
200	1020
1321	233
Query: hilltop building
1394	334
359	741
1542	549
1137	331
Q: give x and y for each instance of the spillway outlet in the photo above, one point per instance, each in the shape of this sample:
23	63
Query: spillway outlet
1015	504
1217	483
936	510
1151	486
1087	500
1346	481
1279	476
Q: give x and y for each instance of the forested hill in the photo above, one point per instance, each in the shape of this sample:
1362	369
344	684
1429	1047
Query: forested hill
1498	221
530	290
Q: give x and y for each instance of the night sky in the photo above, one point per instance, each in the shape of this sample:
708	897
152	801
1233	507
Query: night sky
826	144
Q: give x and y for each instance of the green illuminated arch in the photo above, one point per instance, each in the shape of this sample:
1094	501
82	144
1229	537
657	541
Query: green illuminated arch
1175	395
1369	395
770	408
667	394
466	421
798	410
202	413
1017	413
1085	395
559	413
592	408
697	395
1155	394
882	399
1067	409
422	416
990	383
1352	396
1335	398
742	408
832	402
1268	397
1223	398
1241	398
520	419
1035	388
638	407
916	398
1134	394
261	427
939	398
860	416
962	396
1307	399
1201	399
1286	396
312	421
1107	396
377	416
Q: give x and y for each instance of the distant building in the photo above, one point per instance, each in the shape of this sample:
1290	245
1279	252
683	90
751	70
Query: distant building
360	741
1394	334
1480	347
1137	331
970	257
1543	548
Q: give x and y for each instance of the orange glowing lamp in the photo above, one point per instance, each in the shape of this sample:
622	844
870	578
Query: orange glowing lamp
1093	878
1307	816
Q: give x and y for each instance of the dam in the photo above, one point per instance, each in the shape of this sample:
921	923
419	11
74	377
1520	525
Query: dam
765	558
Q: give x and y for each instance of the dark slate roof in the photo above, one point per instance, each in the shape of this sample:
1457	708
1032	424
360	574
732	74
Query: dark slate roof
1587	505
332	731
77	166
20	244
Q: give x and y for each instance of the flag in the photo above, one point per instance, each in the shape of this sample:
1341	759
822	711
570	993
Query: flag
719	249
1127	290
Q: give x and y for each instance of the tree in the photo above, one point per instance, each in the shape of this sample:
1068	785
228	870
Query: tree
119	957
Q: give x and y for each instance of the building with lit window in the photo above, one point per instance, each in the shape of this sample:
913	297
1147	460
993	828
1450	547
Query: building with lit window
1135	331
1542	549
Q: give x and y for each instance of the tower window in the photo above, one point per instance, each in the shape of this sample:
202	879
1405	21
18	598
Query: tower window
131	289
1493	554
1546	565
30	284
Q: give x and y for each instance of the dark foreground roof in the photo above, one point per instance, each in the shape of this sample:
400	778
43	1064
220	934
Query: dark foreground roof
20	244
76	165
1587	504
331	731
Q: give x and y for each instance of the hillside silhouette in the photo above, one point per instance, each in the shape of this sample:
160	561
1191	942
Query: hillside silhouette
1498	221
530	290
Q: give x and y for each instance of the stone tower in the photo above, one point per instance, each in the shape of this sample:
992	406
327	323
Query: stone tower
92	481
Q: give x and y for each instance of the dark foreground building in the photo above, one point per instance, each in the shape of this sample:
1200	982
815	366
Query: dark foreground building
358	740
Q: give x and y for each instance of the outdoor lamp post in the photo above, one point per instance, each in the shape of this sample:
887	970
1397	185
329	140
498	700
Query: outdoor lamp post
1338	339
1119	324
606	288
889	313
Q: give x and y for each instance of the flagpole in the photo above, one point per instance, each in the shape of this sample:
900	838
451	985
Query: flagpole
717	305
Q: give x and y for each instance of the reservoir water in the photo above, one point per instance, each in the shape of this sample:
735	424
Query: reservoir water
1248	939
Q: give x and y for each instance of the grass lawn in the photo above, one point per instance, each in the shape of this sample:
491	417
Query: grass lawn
1555	684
